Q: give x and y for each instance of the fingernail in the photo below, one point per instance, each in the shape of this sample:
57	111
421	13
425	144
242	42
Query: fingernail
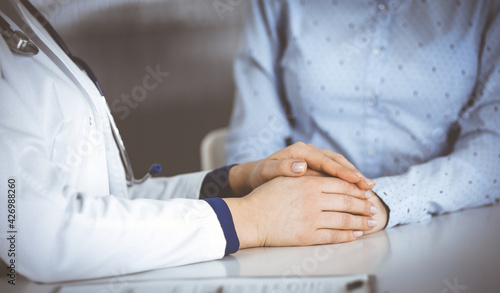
372	223
299	167
357	234
368	181
368	194
358	174
373	210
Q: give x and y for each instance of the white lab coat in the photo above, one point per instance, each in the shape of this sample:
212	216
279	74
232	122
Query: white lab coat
75	216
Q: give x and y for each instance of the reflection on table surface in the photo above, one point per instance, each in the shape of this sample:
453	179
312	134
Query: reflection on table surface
458	252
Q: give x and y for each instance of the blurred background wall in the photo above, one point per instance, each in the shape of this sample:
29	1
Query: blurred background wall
195	41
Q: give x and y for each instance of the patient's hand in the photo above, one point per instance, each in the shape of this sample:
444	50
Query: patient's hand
382	215
294	161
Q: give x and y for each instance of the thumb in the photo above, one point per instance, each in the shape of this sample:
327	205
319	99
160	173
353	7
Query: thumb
298	167
285	167
271	169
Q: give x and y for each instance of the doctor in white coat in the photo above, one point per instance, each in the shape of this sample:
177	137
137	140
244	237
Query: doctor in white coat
72	214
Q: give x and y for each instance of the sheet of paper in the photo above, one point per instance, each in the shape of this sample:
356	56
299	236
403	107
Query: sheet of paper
331	284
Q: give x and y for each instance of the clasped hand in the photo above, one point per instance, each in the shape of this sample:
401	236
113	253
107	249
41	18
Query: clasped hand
303	195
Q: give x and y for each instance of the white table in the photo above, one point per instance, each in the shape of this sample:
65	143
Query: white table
445	254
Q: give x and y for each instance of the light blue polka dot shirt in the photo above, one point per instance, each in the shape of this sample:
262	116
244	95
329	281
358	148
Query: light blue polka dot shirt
408	91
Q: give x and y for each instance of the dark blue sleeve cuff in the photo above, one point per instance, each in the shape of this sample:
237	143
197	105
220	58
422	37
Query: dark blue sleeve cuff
216	184
226	221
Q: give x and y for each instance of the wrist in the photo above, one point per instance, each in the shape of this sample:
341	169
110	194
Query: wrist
239	178
244	221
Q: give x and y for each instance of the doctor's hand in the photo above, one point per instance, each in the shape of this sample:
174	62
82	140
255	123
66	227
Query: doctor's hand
296	160
300	211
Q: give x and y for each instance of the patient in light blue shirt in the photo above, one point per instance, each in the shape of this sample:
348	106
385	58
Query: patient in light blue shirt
408	91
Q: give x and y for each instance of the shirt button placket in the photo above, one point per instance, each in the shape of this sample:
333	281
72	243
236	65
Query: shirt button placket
374	84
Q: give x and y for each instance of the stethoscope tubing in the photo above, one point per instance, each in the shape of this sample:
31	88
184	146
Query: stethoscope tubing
131	180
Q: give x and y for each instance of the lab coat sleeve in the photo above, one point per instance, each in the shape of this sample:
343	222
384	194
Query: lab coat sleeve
258	126
214	186
65	234
163	188
470	175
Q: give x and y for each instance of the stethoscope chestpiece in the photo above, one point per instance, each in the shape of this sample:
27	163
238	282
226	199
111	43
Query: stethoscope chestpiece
155	169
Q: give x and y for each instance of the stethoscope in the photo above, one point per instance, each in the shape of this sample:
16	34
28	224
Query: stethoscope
19	43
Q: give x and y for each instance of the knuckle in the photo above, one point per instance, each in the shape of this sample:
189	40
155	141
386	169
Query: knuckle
335	237
338	156
346	220
347	203
344	186
324	162
299	144
352	189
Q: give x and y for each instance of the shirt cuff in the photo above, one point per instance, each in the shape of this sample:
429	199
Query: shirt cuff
405	201
226	221
216	184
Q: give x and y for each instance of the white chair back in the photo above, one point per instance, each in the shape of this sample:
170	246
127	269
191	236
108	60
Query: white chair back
212	149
